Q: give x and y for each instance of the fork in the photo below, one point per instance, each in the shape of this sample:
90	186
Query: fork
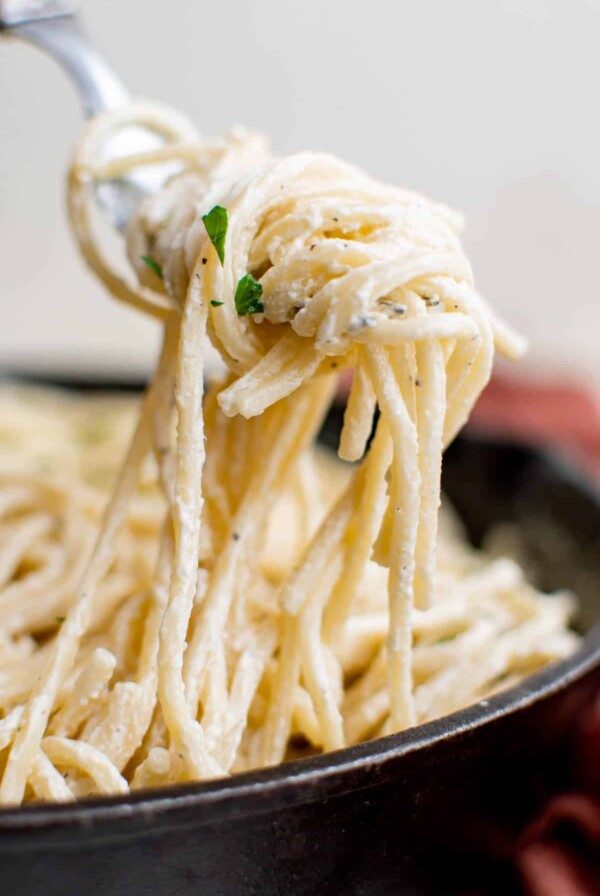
54	26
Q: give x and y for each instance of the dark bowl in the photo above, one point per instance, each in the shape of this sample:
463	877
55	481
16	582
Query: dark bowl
434	810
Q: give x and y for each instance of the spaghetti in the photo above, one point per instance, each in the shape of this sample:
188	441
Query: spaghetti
268	604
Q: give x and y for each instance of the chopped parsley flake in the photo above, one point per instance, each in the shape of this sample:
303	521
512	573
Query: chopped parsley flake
216	304
216	227
247	296
153	265
60	619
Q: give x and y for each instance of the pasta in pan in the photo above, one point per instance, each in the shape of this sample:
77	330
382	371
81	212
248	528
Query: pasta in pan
243	597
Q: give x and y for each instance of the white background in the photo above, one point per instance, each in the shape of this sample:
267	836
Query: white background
491	106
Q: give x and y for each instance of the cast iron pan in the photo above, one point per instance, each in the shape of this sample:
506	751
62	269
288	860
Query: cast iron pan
434	810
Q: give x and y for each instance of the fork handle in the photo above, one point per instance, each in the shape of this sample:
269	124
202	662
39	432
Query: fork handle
53	26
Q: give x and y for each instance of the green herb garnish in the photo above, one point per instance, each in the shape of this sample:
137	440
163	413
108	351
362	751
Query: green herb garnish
153	265
247	296
216	227
60	619
216	304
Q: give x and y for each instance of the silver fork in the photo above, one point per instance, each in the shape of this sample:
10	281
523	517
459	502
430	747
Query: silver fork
53	26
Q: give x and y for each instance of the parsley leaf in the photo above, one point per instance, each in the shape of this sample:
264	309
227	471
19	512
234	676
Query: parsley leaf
216	227
216	304
153	265
247	296
60	619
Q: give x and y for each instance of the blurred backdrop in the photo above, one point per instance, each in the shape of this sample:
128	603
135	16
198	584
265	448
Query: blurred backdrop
490	107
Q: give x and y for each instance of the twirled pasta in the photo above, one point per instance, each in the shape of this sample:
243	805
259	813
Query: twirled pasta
242	648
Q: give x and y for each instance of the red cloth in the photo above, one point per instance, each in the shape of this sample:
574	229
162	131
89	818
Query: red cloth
559	853
563	416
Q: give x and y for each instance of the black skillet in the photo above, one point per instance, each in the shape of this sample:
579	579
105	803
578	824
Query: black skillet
434	810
